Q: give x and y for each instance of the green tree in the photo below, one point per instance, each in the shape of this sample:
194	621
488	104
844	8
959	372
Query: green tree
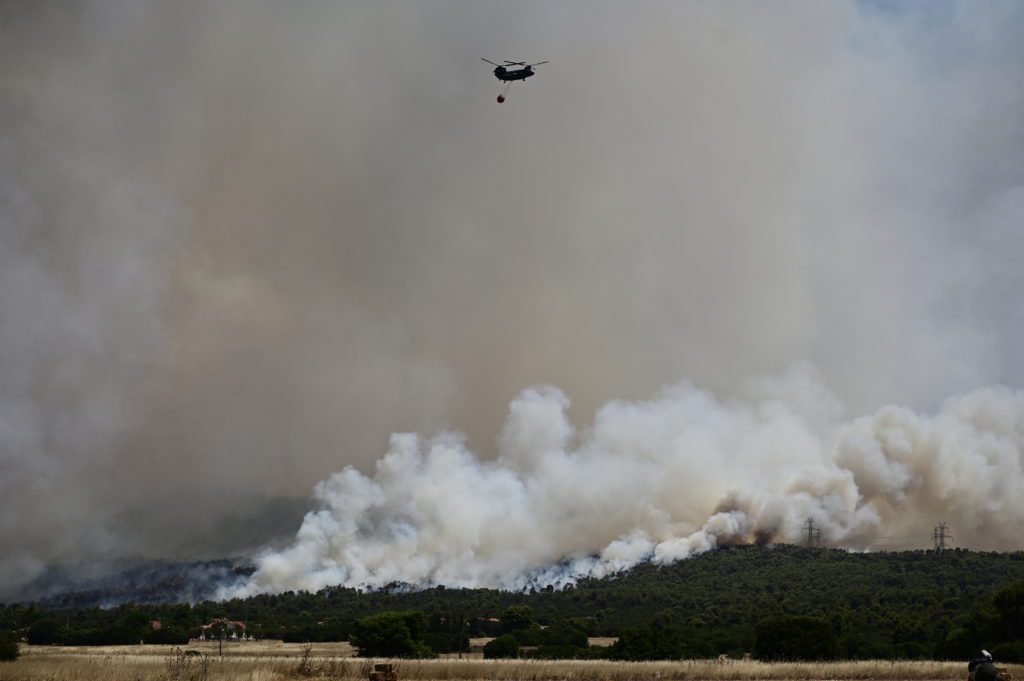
1011	651
1009	604
660	640
504	646
516	617
563	633
794	638
528	636
8	647
44	631
959	644
391	634
167	635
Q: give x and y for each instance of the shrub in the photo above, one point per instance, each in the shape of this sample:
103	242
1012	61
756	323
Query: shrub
1011	652
564	634
8	647
502	647
530	636
44	631
446	642
660	640
556	652
959	644
186	665
794	638
516	617
391	634
1009	603
169	635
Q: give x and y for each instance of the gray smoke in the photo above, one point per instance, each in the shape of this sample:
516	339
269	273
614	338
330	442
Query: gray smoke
243	242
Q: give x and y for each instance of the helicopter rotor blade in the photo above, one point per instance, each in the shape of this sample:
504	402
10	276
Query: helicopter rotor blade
515	63
537	64
490	62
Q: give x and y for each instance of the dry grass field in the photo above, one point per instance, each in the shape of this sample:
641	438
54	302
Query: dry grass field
269	661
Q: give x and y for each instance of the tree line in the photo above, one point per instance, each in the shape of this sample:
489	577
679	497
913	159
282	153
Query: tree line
732	601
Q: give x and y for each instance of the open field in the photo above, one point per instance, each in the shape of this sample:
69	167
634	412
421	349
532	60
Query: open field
267	661
249	649
269	648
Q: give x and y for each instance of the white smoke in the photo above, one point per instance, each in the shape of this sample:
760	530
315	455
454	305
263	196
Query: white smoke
659	480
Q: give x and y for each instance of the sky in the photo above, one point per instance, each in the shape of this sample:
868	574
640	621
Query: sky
244	242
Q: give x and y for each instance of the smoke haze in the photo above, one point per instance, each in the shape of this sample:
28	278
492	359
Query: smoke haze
244	242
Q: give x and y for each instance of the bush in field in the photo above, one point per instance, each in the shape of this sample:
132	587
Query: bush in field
957	645
660	640
516	617
1011	652
564	633
794	638
182	665
167	635
530	636
557	652
8	647
313	632
561	640
44	631
502	647
391	634
446	642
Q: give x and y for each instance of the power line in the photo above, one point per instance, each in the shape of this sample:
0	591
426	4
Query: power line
941	539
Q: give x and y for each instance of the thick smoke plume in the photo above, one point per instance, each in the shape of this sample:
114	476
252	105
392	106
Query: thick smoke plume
661	480
244	242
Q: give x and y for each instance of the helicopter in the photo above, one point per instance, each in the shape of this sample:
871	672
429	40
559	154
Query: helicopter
502	72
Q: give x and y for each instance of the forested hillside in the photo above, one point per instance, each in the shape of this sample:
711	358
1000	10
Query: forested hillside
876	605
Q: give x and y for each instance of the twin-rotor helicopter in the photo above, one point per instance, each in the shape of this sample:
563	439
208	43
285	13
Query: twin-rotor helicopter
503	73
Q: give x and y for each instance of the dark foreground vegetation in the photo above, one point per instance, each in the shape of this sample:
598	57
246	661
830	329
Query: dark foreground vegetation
777	602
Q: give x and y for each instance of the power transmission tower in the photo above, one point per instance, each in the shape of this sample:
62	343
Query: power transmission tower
939	536
813	533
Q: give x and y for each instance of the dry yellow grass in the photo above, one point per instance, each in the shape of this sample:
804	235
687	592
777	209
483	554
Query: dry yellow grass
231	649
273	661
